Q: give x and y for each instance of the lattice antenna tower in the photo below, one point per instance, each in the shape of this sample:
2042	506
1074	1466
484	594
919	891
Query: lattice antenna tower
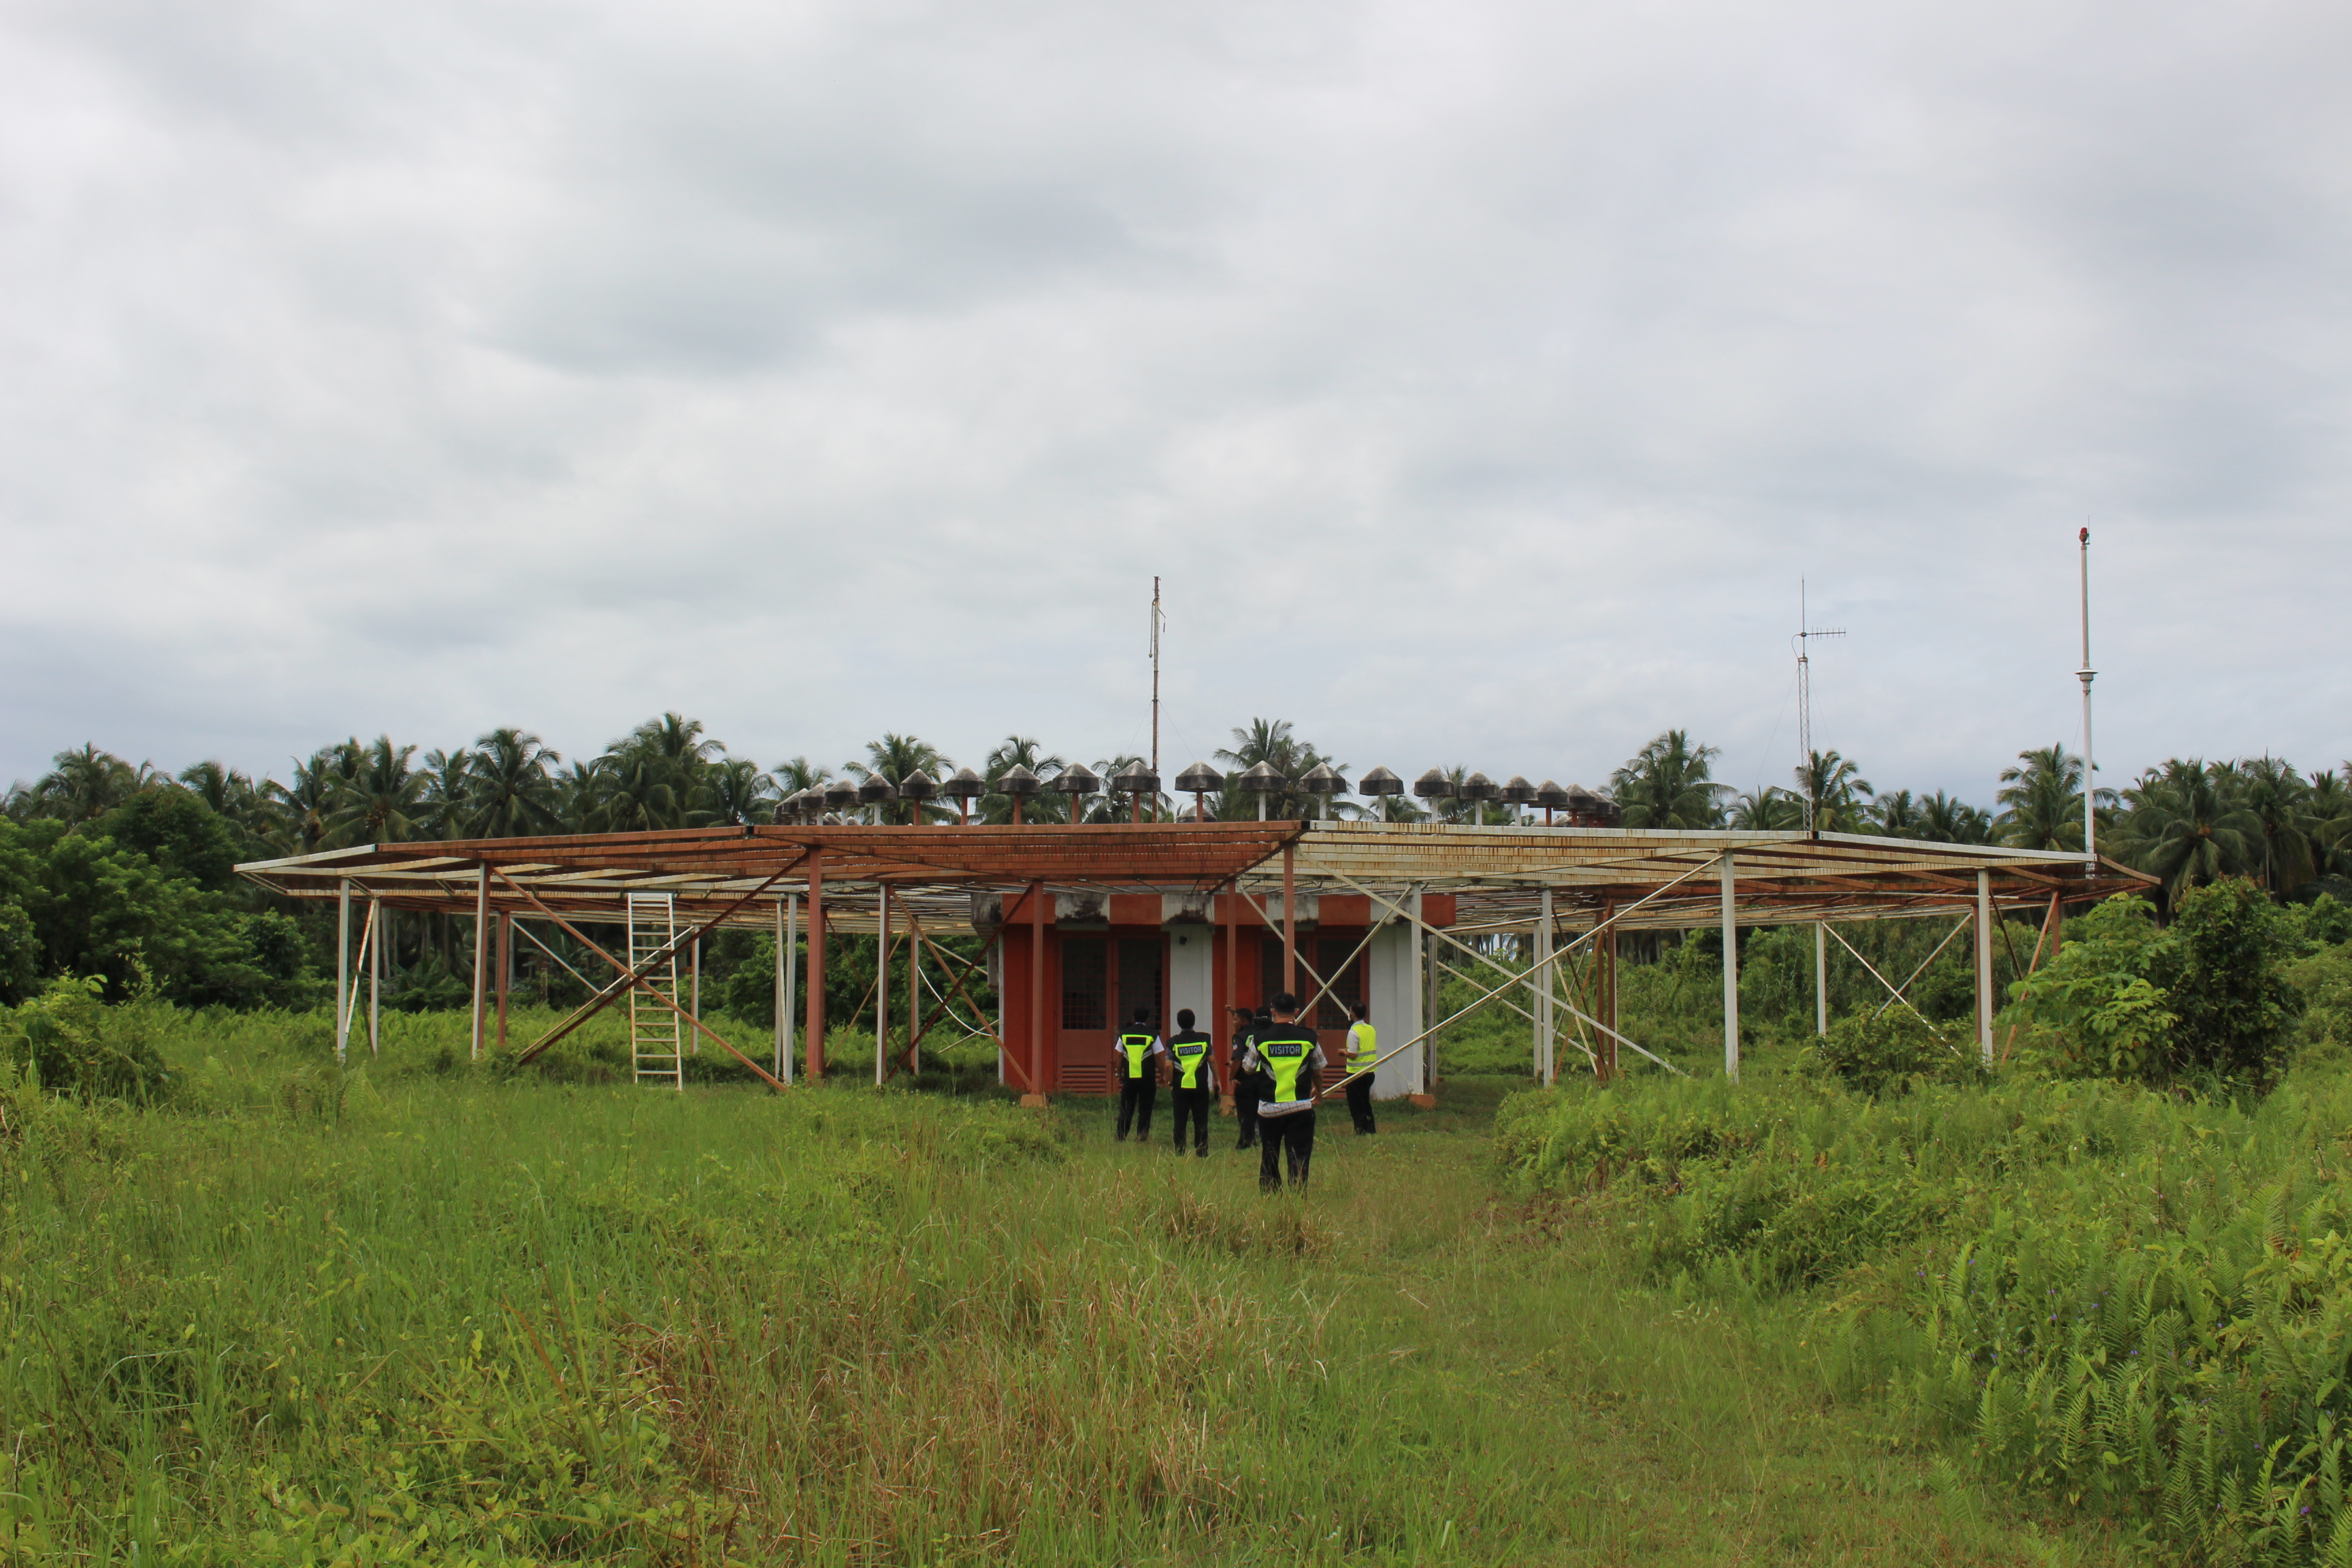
1802	642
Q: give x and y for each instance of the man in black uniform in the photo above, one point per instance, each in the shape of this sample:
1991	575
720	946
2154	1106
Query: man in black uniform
1194	1076
1291	1054
1138	1081
1249	1083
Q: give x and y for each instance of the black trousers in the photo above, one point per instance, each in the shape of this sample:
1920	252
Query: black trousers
1137	1096
1295	1133
1249	1088
1194	1104
1359	1103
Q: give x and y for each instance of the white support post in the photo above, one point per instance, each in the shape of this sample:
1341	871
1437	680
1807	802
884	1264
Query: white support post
1425	948
1984	965
1545	1065
1821	977
481	948
375	977
344	971
1730	979
882	991
791	977
776	996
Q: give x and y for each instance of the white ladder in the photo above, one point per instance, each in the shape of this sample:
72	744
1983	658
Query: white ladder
654	1044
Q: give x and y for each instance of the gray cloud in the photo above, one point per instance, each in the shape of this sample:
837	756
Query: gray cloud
1481	381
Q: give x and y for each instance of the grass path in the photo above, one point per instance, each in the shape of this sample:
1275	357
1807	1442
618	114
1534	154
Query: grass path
1639	1434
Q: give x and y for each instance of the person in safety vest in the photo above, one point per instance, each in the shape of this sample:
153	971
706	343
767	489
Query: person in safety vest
1195	1078
1138	1081
1363	1050
1290	1052
1249	1082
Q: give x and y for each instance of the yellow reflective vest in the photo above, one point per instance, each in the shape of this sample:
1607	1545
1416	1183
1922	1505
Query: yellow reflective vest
1363	1047
1137	1049
1191	1054
1285	1048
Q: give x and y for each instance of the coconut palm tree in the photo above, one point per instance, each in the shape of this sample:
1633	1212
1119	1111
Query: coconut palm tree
736	792
88	783
1896	814
2278	798
1670	783
1274	743
509	794
384	803
1771	809
2328	810
2183	823
2042	800
891	758
794	774
310	799
1838	792
446	806
1027	752
1946	819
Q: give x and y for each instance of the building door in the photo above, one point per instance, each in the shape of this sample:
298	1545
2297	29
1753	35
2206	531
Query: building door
1142	970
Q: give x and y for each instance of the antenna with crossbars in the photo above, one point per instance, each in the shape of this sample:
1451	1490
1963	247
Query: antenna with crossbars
1805	631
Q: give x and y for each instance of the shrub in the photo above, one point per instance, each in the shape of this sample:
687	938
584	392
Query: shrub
75	1044
1876	1054
2208	1001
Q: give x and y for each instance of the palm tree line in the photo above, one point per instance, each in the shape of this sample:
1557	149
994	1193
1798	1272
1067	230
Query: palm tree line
2188	821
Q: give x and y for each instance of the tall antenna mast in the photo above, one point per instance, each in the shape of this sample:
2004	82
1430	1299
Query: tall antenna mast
2085	675
1805	706
1157	620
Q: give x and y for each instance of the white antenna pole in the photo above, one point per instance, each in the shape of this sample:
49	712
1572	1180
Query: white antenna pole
1155	675
1805	632
2090	767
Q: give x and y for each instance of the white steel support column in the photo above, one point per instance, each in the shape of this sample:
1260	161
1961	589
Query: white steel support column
1821	977
882	991
1984	965
375	977
1425	953
344	971
787	917
481	948
1730	979
1544	1063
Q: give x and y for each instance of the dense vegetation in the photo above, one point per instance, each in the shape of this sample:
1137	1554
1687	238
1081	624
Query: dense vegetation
2114	1267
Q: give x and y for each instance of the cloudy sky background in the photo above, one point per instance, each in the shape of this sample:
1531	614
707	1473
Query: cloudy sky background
1479	378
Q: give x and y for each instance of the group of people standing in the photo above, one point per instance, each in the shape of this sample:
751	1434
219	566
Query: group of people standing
1277	1061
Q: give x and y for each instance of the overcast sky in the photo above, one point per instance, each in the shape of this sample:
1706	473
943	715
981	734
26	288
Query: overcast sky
1480	379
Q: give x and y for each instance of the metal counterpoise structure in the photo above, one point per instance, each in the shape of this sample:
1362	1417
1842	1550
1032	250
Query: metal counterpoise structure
1082	919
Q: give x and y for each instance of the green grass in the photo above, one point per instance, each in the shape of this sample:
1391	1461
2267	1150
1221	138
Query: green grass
2133	1304
421	1314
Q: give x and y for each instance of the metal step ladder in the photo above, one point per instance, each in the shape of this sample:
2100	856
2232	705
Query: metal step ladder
655	1044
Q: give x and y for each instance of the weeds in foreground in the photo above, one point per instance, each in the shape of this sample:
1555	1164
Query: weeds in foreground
2131	1302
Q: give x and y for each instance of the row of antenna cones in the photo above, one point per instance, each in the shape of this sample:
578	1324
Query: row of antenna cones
1198	780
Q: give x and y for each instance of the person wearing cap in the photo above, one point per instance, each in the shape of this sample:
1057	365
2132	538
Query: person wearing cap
1139	1083
1248	1082
1363	1050
1192	1076
1291	1053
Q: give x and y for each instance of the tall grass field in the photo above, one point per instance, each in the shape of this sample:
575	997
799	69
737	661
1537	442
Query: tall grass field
420	1311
